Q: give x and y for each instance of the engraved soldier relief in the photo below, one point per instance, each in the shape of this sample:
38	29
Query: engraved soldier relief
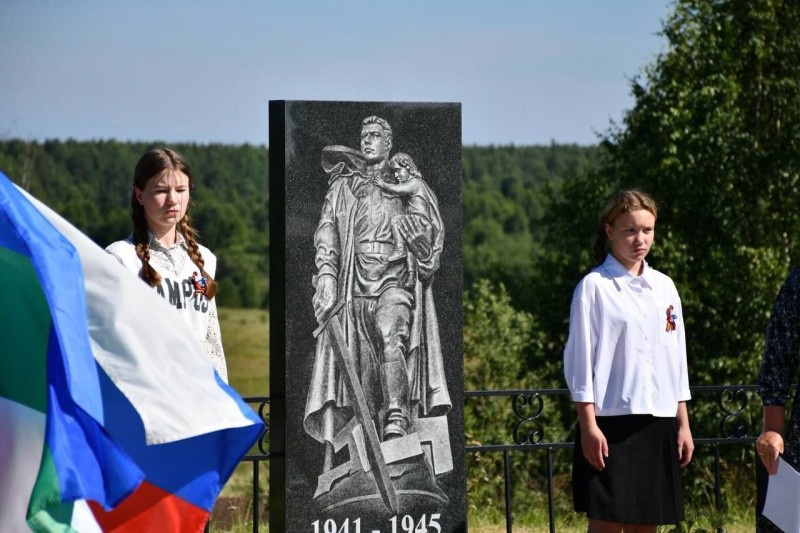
378	399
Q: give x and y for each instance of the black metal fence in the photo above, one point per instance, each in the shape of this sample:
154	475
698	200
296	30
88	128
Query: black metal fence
734	409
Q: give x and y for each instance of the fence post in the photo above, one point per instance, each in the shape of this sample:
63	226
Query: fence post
550	490
507	468
255	496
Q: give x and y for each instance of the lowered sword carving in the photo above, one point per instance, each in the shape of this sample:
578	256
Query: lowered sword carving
333	328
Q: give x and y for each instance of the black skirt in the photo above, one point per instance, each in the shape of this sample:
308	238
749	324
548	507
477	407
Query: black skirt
641	483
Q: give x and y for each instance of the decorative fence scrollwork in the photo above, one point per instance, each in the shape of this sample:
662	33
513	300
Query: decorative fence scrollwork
734	421
528	429
263	414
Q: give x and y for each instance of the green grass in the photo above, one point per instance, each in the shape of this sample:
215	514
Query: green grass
233	511
245	338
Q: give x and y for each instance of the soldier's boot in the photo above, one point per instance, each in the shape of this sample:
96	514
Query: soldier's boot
397	392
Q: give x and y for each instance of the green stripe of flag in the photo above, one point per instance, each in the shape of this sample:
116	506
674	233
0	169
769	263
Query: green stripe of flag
48	513
26	320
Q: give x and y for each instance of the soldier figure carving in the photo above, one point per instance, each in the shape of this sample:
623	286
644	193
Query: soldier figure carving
379	294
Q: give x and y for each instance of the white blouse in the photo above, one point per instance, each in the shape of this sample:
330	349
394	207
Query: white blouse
175	268
626	350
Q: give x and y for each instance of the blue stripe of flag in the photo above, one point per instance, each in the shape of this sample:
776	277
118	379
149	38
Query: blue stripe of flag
88	463
186	468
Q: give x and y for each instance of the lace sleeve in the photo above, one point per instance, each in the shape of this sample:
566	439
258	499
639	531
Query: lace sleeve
213	342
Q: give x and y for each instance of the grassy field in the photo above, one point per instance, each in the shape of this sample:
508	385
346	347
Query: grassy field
245	336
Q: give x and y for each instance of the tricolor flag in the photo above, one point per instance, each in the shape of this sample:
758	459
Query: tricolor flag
111	415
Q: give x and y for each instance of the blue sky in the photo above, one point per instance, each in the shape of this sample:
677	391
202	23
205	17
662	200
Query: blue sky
525	71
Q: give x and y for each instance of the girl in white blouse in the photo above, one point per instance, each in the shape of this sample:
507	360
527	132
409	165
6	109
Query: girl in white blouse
625	365
163	249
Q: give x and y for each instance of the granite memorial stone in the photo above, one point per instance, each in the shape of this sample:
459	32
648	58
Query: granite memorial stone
366	378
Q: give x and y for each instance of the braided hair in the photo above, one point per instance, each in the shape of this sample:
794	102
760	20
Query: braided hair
150	165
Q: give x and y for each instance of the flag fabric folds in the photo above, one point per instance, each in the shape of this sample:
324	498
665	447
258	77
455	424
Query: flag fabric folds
113	415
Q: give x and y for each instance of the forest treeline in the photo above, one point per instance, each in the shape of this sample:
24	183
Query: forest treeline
89	183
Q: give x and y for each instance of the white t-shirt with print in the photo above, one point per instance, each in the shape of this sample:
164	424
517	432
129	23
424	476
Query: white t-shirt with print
176	268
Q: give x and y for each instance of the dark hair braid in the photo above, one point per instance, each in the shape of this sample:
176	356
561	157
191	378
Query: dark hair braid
141	239
190	236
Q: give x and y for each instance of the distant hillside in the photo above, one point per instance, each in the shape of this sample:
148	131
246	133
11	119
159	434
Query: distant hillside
89	183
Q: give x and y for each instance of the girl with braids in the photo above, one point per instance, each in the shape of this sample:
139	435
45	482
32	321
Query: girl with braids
163	249
625	365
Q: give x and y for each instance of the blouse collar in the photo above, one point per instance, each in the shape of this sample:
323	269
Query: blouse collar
156	244
620	275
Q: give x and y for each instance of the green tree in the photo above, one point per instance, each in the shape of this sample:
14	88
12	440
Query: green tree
713	135
496	339
505	207
499	344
